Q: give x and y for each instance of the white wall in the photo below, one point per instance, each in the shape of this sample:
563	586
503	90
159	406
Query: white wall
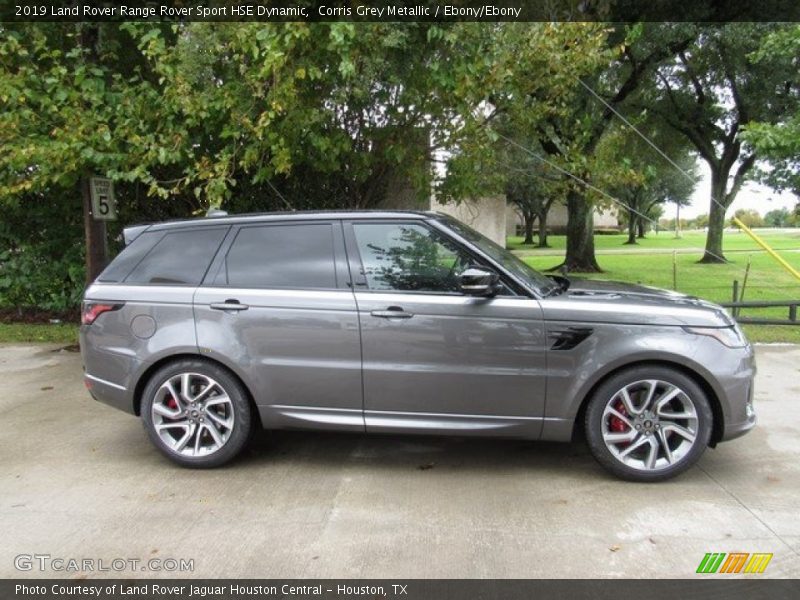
487	215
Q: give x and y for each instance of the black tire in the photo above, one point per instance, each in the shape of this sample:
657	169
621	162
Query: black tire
610	389
237	436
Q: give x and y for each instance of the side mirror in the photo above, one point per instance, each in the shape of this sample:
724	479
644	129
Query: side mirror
479	281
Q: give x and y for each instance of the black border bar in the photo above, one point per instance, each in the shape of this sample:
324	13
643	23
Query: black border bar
620	11
705	587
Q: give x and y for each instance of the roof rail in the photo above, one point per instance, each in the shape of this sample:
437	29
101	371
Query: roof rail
216	212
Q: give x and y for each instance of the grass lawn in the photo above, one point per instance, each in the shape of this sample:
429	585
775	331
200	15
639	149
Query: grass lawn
61	333
767	279
734	241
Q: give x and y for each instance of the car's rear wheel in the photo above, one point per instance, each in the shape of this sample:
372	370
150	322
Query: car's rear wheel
648	423
196	413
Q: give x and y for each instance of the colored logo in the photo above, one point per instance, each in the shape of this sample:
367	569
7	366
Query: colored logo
735	562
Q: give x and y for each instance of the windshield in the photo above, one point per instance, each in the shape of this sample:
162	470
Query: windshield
535	280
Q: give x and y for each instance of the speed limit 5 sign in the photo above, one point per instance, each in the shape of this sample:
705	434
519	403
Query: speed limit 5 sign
104	205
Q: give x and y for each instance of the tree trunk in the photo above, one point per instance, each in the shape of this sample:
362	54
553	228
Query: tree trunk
580	235
716	221
631	228
640	227
543	230
528	217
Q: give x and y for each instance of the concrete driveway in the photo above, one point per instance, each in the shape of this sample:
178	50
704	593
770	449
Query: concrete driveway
81	481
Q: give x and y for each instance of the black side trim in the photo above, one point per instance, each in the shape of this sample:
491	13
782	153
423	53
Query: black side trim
569	338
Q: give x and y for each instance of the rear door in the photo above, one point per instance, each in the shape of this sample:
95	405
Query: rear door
276	307
434	358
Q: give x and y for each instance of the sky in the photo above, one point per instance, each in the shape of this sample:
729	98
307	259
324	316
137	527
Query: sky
752	195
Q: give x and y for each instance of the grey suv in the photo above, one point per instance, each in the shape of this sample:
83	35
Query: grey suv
401	322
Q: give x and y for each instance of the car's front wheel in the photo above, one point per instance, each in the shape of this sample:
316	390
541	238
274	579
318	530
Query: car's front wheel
648	423
196	413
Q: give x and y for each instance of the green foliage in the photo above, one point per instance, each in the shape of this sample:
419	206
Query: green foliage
779	217
41	254
778	140
751	218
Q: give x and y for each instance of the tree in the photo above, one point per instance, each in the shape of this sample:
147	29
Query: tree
750	217
533	74
639	178
710	92
779	142
546	102
530	191
573	136
779	217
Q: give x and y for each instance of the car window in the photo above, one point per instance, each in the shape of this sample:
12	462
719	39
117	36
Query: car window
409	257
282	256
179	258
130	256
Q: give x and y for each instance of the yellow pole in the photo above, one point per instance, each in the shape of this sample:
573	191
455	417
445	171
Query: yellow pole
769	250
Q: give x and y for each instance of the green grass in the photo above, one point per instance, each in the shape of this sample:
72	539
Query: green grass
61	333
734	241
767	279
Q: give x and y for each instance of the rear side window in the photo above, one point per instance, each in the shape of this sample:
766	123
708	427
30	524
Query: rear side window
282	256
130	256
179	258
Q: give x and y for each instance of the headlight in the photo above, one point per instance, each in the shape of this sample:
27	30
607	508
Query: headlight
732	337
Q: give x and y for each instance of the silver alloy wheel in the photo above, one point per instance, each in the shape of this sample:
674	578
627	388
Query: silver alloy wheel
192	414
650	425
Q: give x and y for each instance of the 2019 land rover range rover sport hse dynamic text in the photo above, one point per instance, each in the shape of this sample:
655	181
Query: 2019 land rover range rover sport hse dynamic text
401	322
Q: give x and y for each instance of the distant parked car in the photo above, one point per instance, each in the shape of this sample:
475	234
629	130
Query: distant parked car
401	322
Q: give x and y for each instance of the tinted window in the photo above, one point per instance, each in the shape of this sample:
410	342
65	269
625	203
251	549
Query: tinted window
179	257
282	256
409	257
130	256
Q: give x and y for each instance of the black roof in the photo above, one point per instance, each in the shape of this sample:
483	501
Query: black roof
134	231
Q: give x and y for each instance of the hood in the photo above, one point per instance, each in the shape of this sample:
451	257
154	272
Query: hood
617	302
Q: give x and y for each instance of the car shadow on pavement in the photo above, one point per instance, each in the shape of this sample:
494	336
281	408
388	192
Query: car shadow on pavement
413	452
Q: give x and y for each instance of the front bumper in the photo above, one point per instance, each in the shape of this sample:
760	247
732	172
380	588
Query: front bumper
736	379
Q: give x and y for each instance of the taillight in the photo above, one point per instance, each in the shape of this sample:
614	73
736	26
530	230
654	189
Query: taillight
92	310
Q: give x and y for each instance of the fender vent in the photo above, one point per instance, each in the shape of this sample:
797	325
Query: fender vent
569	338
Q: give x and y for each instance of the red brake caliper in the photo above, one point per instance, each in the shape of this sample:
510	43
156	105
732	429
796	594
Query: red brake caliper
171	403
616	424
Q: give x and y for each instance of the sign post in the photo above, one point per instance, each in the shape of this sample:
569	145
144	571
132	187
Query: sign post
99	206
104	205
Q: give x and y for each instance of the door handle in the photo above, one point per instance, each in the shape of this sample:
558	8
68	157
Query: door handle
393	312
229	304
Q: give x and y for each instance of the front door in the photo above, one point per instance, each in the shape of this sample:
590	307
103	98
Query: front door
435	359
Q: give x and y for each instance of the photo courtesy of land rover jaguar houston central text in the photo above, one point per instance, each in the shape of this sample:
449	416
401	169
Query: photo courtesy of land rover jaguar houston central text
402	322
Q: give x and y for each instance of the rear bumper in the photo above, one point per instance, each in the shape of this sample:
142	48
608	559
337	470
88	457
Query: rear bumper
109	393
108	375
